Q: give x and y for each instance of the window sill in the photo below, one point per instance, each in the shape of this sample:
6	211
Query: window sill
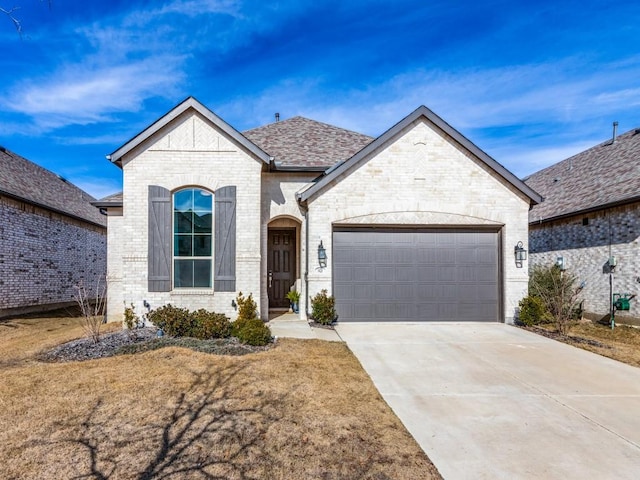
192	291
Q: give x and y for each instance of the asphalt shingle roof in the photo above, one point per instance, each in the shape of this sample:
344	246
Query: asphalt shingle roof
25	180
302	142
606	174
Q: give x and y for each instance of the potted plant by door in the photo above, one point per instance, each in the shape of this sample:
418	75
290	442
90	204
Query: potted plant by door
294	298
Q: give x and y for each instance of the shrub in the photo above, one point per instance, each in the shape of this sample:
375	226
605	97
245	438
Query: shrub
130	319
210	325
252	331
174	321
323	308
557	291
532	311
180	322
247	307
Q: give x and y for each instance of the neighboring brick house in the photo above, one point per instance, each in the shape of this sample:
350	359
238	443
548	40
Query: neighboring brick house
51	238
417	225
591	212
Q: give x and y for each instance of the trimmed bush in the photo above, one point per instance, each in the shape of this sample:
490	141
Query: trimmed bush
252	331
248	328
210	325
174	321
180	322
532	311
323	308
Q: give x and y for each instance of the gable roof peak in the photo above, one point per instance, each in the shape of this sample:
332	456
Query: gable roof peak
188	103
434	119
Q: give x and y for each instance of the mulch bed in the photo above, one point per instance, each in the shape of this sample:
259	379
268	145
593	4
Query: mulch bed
322	325
141	340
565	338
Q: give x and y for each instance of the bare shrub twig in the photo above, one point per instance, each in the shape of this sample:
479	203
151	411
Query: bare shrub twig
93	306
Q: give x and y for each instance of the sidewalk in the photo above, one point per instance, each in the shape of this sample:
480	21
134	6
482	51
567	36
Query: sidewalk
290	325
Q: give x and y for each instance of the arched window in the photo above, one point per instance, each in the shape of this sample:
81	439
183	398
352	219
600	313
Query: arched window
192	238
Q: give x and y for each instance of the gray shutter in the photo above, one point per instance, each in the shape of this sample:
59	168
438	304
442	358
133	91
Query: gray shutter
224	279
159	259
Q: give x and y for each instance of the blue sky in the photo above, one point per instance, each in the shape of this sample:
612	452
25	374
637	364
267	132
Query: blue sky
530	83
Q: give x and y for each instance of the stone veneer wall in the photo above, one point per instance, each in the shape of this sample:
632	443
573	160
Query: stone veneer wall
586	246
187	152
43	255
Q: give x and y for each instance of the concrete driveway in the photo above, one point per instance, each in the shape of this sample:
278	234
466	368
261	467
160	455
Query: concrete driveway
494	401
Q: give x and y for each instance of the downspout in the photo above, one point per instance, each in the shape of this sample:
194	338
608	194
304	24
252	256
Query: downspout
306	261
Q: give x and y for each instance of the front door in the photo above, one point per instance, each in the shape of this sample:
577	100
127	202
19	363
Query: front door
281	266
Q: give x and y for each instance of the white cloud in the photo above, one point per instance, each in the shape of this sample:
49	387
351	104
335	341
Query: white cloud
527	116
83	96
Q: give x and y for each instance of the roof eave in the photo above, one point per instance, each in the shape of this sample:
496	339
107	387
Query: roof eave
299	168
584	211
100	204
189	102
51	209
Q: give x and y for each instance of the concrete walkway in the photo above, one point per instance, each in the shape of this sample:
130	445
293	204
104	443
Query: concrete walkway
290	325
491	401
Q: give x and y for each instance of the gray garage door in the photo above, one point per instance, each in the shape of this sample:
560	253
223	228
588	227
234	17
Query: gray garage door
416	275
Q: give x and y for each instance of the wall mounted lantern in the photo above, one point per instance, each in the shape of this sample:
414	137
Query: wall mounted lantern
520	254
322	255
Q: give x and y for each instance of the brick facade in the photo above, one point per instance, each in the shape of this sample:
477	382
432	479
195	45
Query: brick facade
586	242
43	255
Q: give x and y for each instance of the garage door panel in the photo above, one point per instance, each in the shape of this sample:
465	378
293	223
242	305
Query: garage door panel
487	256
466	256
419	274
465	273
363	273
446	274
426	256
487	292
405	273
384	273
404	255
385	292
363	292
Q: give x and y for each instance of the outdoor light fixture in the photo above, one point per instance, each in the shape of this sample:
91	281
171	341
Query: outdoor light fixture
322	255
520	254
560	263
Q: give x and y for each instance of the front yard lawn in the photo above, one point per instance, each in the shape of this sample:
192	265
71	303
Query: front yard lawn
304	409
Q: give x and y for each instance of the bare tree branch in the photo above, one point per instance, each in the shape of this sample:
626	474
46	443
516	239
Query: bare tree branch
10	13
14	20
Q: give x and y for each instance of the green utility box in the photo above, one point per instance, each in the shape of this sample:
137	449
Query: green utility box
621	300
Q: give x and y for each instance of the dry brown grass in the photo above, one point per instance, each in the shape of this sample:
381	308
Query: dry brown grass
302	410
621	343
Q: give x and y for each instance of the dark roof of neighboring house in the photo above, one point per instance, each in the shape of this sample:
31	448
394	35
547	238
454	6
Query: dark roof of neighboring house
421	112
26	181
301	142
603	176
113	200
